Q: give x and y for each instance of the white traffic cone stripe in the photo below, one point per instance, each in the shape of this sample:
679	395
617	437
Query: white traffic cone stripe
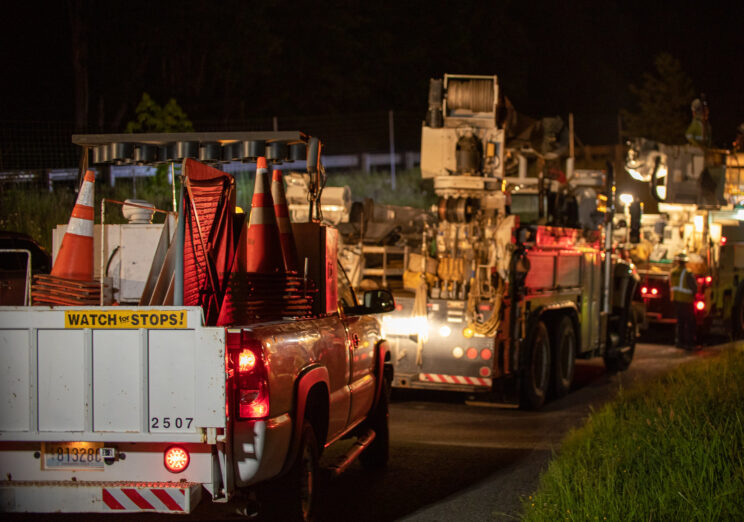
262	216
85	197
80	227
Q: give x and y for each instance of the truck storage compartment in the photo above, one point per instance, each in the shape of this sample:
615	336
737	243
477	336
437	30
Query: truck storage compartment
110	374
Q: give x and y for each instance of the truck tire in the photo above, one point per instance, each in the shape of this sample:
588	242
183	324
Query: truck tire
376	455
564	357
294	496
618	358
536	369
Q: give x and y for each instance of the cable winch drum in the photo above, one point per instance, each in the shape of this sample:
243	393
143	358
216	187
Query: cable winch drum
473	95
442	209
457	210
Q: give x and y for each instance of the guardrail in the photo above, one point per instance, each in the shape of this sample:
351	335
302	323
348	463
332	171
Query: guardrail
366	162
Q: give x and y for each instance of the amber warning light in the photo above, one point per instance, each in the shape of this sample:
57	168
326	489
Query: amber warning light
176	459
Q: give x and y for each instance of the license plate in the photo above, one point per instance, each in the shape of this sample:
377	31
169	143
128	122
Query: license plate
72	455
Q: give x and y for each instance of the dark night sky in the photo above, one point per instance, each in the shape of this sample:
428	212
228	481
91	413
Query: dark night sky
233	60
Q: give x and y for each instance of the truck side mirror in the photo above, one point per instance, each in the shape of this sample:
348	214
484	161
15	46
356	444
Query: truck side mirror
377	302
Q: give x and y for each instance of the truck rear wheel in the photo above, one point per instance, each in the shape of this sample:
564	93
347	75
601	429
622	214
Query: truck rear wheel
294	496
536	370
376	455
618	358
564	357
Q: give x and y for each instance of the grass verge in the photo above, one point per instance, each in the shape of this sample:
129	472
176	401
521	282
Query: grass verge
671	449
36	211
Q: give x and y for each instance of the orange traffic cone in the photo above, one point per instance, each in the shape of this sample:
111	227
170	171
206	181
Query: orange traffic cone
263	247
289	250
75	257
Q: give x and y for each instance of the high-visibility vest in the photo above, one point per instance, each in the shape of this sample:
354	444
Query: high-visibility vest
683	286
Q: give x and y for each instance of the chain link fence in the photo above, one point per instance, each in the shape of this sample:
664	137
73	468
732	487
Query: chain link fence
32	148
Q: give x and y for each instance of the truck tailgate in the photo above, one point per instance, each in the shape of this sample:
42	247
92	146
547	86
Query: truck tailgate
111	374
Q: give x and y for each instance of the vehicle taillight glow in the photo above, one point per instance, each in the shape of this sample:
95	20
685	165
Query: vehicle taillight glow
251	379
246	361
700	305
708	280
644	290
723	240
176	459
654	291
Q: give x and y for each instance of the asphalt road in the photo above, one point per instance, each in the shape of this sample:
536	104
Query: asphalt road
453	457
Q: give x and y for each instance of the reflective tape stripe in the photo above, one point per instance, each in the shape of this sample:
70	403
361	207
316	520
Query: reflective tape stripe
137	498
145	499
454	379
167	500
80	227
110	501
680	288
262	216
82	212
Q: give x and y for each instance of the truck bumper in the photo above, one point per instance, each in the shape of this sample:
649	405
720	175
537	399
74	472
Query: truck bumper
98	497
260	448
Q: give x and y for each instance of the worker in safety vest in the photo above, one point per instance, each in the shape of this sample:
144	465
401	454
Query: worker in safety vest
698	133
684	287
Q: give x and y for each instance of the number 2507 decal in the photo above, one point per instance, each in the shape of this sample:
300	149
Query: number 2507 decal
166	423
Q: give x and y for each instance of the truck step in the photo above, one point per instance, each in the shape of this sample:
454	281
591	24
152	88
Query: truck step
350	456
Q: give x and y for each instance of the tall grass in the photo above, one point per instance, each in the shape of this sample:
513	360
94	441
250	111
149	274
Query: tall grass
36	211
672	449
410	189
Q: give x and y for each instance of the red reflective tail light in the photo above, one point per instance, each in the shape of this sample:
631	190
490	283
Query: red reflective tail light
176	459
699	306
248	369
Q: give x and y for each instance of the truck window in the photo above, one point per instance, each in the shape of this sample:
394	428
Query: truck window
526	206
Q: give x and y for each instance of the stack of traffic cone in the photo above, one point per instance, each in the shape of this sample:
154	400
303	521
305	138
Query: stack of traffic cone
263	248
289	250
263	286
71	281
